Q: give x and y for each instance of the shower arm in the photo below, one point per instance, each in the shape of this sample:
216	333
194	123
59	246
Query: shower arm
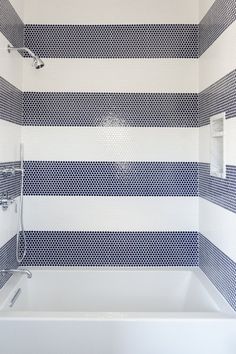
21	49
37	62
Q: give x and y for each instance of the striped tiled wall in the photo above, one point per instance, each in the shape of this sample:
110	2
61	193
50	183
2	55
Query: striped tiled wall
111	135
99	248
11	101
217	202
111	126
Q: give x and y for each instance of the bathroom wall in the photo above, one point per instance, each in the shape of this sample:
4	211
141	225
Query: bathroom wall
112	137
111	133
217	203
11	32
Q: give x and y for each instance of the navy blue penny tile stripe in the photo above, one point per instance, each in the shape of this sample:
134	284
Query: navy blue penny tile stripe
219	17
218	190
113	41
8	259
217	98
219	268
111	178
11	25
11	100
10	184
110	109
56	248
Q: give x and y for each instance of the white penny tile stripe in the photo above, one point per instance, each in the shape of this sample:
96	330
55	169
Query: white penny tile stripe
18	7
110	144
10	131
218	225
10	64
219	59
111	12
8	222
113	75
204	144
204	7
230	141
111	213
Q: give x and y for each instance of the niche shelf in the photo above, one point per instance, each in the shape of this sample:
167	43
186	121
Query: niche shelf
217	163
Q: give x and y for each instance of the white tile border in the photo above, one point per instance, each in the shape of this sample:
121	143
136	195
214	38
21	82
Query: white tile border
11	65
111	11
218	225
230	141
110	144
204	144
219	59
10	138
204	7
113	75
54	213
8	223
19	7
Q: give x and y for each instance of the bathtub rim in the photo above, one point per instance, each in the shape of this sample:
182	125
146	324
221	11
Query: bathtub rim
226	311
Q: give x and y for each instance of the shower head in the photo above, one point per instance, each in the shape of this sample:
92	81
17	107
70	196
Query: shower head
37	62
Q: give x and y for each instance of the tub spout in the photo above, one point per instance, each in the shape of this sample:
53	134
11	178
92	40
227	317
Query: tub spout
19	271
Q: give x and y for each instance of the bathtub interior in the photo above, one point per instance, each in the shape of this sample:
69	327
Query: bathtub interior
112	290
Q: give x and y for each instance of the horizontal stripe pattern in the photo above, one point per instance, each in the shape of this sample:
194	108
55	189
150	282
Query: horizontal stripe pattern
112	248
219	268
8	183
221	14
11	64
219	60
12	131
218	225
108	12
11	31
7	259
116	75
203	7
11	100
217	98
110	213
217	195
218	190
11	25
8	222
110	109
113	41
110	144
111	178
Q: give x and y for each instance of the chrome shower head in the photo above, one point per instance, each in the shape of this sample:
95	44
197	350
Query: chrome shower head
37	62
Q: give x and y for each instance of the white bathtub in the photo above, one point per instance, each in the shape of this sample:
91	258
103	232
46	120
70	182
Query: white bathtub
115	311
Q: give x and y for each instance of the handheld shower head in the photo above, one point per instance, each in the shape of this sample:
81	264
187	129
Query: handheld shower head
37	62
